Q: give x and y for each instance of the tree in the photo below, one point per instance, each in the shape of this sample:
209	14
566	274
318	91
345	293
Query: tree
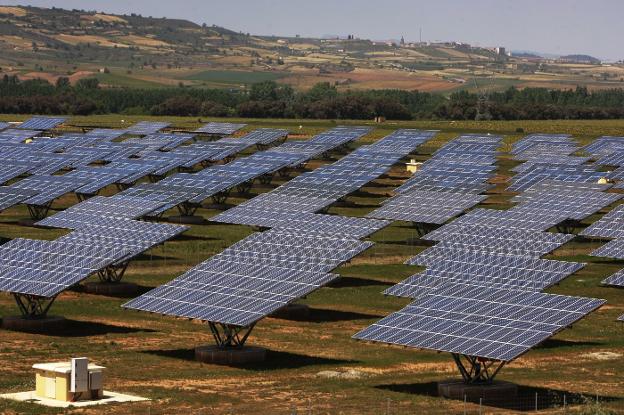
321	91
88	83
62	82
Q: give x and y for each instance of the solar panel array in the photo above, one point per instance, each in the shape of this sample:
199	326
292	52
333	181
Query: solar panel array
104	223
265	271
605	146
314	191
479	295
549	157
447	184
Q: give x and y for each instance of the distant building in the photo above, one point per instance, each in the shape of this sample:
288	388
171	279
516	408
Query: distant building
500	50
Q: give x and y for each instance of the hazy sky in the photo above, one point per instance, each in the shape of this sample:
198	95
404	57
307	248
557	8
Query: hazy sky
553	26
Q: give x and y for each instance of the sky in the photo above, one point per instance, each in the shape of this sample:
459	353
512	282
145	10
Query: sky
550	26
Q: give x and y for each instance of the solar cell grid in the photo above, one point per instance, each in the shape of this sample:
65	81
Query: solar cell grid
45	268
41	123
220	128
478	321
616	279
610	225
235	294
146	127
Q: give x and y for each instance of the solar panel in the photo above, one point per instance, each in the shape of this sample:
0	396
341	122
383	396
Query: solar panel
220	128
10	196
41	123
475	263
104	207
227	293
304	252
17	136
9	171
45	268
508	245
507	219
146	127
264	135
573	204
610	225
141	237
301	222
491	323
427	207
48	188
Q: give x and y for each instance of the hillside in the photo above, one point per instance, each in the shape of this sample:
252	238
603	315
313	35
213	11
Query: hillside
146	52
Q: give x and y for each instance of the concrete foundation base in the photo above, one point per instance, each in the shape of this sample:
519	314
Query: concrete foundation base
292	311
109	397
110	288
187	220
215	355
490	393
19	323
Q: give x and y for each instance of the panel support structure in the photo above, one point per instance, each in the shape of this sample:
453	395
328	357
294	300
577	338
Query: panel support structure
187	209
32	306
228	336
39	212
476	369
113	273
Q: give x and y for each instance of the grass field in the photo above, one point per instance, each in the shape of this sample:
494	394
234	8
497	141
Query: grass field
313	366
233	77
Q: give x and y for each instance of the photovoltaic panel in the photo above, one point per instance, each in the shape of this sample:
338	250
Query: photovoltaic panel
41	123
229	293
491	323
605	145
610	225
616	279
146	127
301	222
220	128
17	136
105	207
308	253
502	218
45	268
264	135
11	171
48	188
612	249
427	207
507	245
10	196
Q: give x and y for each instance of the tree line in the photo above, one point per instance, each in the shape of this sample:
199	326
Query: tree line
323	101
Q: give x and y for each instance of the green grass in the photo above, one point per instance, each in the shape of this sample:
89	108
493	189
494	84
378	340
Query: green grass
126	81
152	355
233	77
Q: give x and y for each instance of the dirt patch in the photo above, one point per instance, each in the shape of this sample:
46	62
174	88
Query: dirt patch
15	11
347	374
602	356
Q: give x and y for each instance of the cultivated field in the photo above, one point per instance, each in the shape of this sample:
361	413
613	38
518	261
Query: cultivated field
313	366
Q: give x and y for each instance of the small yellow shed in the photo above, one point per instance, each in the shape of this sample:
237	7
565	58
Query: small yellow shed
56	381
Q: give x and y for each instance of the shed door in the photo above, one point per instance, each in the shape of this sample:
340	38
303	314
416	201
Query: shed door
50	387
